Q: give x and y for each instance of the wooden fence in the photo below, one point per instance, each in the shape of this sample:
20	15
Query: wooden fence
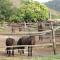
53	44
39	33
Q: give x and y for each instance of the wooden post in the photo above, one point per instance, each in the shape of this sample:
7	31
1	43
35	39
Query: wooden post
25	26
13	30
19	26
53	38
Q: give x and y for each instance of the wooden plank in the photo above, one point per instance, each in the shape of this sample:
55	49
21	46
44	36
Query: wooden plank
53	38
39	45
27	33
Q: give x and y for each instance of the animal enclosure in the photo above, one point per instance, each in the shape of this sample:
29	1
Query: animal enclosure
49	44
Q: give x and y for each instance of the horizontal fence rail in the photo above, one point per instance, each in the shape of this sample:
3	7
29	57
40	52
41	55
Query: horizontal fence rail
31	33
27	33
38	45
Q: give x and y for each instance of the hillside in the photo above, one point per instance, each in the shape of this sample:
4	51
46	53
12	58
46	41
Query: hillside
54	7
54	14
54	4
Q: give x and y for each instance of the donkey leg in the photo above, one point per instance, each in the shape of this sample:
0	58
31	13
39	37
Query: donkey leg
22	51
29	51
19	51
40	38
9	52
6	51
13	51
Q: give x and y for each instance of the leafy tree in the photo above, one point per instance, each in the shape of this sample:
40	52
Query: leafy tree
14	17
5	10
8	12
33	11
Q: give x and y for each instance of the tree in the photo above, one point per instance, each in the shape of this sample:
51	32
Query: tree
33	11
8	12
14	17
5	10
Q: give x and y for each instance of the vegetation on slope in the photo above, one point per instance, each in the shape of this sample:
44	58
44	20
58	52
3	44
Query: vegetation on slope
54	7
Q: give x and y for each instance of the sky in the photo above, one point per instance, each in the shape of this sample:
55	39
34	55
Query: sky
42	0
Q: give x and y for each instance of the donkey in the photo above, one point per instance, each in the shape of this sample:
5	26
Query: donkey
26	40
10	42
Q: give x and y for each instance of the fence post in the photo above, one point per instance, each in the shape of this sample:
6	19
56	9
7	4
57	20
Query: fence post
53	38
13	30
25	26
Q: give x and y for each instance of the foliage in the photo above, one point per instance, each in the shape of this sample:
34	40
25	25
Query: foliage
33	11
5	10
8	13
14	17
28	11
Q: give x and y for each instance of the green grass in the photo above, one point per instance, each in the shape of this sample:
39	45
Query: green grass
56	57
